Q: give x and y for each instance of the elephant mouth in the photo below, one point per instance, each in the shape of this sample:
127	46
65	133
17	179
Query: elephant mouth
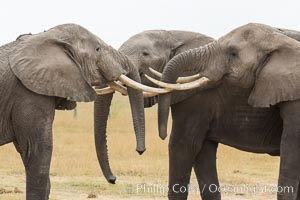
99	82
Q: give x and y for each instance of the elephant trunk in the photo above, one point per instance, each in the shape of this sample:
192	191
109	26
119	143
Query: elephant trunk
194	60
101	112
136	100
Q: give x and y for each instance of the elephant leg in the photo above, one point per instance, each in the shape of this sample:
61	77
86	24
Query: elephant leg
181	161
289	177
32	124
185	142
206	171
189	130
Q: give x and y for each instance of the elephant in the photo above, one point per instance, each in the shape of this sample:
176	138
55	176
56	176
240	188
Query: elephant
253	76
53	70
152	48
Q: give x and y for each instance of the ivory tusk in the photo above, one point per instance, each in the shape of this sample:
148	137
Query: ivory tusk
149	94
185	86
109	90
138	86
103	91
187	79
118	87
156	73
184	79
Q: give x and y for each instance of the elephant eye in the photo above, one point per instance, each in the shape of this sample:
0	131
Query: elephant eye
232	50
233	54
98	49
145	53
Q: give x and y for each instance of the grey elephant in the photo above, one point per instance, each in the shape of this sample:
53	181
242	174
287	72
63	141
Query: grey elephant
255	69
153	48
53	70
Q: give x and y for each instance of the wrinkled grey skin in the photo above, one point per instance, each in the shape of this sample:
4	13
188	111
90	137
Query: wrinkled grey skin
154	49
49	70
255	80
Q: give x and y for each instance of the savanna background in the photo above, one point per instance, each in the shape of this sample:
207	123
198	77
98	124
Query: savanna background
75	173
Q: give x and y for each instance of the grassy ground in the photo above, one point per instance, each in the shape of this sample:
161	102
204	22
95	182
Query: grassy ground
75	173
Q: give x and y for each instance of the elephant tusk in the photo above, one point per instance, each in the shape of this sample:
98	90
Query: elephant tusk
149	94
138	86
185	86
118	87
156	73
106	90
187	79
109	90
184	79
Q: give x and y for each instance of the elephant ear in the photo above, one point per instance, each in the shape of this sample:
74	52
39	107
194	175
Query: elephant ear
279	78
176	49
45	66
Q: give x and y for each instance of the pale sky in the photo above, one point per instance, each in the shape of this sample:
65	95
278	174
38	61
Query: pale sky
114	21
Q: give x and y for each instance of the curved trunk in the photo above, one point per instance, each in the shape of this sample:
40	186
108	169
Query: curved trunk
136	100
101	112
192	60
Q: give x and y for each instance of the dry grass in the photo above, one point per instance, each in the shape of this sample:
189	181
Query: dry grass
75	172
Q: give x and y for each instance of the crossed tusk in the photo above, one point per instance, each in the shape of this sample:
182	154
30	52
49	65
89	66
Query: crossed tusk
185	86
184	79
118	87
115	86
138	86
151	91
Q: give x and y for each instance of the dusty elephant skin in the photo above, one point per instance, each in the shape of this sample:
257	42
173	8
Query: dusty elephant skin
261	64
47	71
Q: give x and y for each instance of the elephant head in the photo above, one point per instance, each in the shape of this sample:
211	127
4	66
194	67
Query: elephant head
66	61
154	48
150	49
255	56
